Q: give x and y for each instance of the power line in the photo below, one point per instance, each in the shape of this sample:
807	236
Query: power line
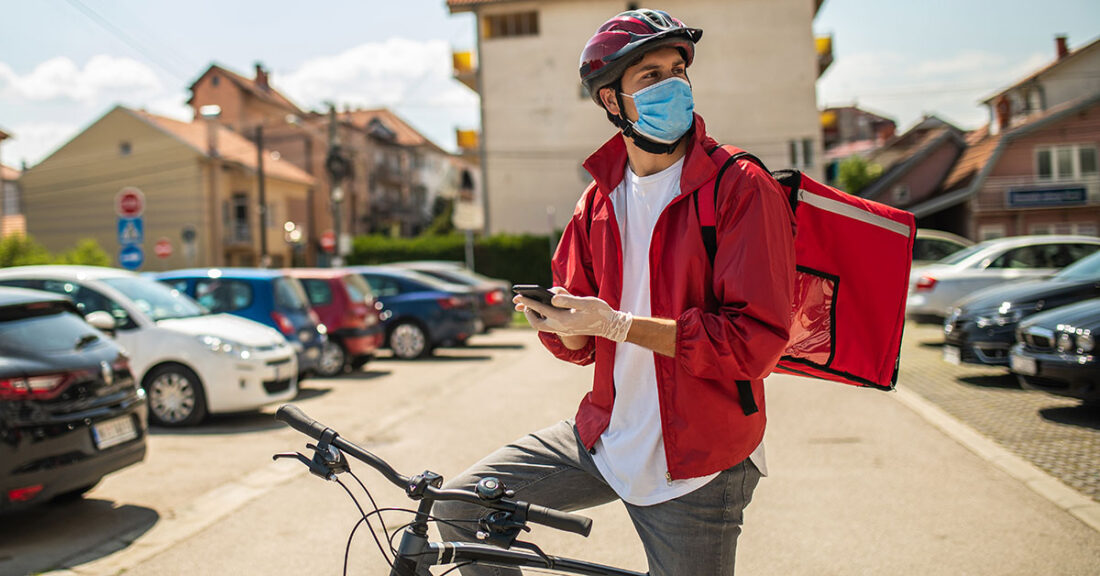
127	39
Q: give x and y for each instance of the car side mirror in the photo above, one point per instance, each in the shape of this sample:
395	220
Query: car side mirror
103	321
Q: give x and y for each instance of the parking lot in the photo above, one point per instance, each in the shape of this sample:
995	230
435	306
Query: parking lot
1056	434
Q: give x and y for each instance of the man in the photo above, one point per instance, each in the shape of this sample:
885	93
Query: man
674	422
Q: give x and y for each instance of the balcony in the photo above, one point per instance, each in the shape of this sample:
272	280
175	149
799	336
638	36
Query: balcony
465	69
1028	192
824	46
238	234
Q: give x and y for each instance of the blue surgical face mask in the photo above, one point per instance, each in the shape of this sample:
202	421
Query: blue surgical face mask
664	110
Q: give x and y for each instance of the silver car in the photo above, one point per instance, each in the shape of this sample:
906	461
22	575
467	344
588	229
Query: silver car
933	289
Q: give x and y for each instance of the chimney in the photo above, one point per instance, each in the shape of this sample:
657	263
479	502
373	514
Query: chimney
1004	112
261	77
1060	43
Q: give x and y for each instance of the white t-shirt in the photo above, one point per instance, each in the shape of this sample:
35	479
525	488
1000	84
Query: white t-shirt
630	454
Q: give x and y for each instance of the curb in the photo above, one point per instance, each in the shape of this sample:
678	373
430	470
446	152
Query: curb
1079	506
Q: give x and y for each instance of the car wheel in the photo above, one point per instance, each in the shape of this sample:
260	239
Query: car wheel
408	341
333	360
176	397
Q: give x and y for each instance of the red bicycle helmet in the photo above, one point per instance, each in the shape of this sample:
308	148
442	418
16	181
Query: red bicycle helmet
622	39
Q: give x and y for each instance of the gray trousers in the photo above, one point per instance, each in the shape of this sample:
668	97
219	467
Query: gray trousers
695	534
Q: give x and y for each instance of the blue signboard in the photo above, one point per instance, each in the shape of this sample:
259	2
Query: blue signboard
131	257
131	231
1033	197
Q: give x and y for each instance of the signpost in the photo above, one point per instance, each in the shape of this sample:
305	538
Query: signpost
129	206
163	248
328	241
131	257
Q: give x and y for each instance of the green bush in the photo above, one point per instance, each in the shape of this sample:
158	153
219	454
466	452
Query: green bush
18	250
523	258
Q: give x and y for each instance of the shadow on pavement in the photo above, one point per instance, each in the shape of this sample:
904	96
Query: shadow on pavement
353	375
1080	416
242	423
931	344
991	381
306	392
440	356
496	346
67	534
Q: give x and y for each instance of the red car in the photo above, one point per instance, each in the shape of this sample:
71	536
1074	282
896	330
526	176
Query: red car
350	314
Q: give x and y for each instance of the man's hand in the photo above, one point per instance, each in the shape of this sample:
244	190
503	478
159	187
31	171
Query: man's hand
575	316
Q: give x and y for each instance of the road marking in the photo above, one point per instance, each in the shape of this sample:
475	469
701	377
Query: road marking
1078	505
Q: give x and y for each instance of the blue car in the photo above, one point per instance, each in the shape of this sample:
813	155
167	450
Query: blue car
422	313
269	297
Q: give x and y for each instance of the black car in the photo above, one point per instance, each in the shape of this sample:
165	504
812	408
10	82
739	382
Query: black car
70	412
494	295
981	328
1055	352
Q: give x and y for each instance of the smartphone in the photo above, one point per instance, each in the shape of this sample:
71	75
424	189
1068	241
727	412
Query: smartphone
534	292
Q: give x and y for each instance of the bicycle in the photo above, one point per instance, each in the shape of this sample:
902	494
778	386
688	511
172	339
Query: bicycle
505	520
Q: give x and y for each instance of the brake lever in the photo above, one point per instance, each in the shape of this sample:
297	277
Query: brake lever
326	463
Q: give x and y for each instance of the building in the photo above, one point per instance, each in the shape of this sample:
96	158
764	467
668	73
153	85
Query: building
199	182
915	163
851	124
1034	168
754	81
11	211
395	172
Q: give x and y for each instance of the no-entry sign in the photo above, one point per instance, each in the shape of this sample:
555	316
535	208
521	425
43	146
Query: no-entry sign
129	202
163	248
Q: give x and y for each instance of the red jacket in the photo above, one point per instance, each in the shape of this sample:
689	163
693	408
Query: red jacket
738	336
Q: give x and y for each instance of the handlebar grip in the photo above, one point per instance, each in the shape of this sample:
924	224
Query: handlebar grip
560	520
293	416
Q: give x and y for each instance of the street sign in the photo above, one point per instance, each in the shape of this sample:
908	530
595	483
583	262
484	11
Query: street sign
130	231
131	257
163	248
328	241
187	234
129	202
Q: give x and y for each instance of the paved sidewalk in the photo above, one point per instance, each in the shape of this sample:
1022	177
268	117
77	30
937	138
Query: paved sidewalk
1057	435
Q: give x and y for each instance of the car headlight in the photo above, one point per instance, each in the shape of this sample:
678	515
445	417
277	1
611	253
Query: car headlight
1000	317
1066	342
224	346
1085	341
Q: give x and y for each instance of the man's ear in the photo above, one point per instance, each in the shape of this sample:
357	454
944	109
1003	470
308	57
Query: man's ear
610	102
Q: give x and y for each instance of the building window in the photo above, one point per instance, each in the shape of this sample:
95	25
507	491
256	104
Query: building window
215	80
1085	229
991	231
1069	162
802	153
807	153
124	148
901	193
511	25
11	199
1043	228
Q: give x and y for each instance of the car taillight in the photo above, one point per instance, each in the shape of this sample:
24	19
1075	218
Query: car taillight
314	317
448	303
24	494
283	323
494	297
356	316
925	283
41	387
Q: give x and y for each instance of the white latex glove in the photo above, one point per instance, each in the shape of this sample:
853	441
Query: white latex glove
576	316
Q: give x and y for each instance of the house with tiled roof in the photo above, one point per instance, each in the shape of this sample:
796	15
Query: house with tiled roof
195	176
1034	168
915	163
11	213
244	102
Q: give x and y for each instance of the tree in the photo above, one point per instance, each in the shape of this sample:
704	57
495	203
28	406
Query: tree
442	213
855	173
87	252
18	250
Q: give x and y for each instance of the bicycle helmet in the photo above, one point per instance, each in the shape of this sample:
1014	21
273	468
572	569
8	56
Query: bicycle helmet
620	41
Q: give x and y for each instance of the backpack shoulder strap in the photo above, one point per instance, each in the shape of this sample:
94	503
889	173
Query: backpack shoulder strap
706	197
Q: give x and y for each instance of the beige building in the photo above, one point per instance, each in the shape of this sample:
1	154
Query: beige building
754	81
197	177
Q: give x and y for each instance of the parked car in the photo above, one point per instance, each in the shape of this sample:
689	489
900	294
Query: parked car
191	363
935	288
70	412
1056	352
348	309
934	245
270	297
423	312
982	327
494	304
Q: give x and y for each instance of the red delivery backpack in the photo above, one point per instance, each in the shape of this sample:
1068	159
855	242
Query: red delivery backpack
852	260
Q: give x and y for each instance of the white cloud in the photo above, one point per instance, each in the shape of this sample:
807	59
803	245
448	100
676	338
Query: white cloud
61	79
34	140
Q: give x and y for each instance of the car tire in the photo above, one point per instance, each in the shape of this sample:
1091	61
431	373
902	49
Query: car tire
176	396
333	360
409	341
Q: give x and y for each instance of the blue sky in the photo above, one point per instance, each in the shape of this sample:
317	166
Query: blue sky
63	63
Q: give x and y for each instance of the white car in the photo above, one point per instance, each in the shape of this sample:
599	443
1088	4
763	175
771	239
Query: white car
190	362
933	289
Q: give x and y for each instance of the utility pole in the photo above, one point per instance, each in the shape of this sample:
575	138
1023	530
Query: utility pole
265	259
338	168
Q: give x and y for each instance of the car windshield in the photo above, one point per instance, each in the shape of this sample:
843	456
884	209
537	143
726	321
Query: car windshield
289	295
1084	269
358	289
431	282
155	299
962	254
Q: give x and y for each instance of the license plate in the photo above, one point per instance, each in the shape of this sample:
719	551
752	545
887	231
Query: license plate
952	355
113	432
1024	365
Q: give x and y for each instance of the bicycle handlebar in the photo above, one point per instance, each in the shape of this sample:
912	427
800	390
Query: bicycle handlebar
293	416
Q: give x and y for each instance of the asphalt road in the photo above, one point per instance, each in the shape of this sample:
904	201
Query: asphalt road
860	483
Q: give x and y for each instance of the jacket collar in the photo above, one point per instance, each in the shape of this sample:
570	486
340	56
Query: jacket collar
608	164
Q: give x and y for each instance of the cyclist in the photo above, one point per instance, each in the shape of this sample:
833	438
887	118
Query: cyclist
674	423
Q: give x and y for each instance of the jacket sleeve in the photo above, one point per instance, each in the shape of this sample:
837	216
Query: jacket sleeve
572	269
753	280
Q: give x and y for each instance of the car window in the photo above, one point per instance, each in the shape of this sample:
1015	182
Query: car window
1087	268
56	331
180	284
963	254
289	294
382	286
318	291
89	300
1079	251
1022	257
358	289
222	294
934	248
155	299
